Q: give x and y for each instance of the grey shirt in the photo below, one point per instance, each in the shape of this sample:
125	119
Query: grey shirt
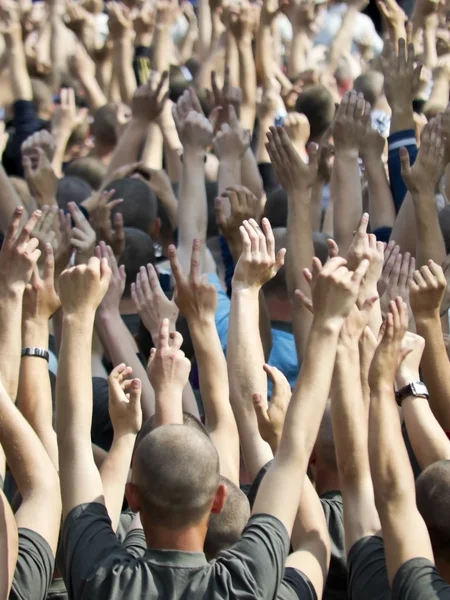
417	579
97	565
34	567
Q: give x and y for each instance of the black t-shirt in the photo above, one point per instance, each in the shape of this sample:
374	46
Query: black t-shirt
34	567
418	579
97	565
336	584
367	573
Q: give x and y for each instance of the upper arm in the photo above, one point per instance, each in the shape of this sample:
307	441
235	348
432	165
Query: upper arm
8	546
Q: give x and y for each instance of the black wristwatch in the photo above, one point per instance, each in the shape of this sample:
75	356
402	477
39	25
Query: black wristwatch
416	388
36	352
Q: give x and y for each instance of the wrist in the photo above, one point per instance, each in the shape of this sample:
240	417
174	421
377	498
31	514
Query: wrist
327	326
124	435
348	347
403	379
193	153
346	153
35	332
79	319
245	289
198	323
422	319
12	292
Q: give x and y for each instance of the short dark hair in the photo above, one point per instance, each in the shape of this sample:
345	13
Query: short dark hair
433	502
138	252
225	528
176	471
316	103
139	207
104	126
150	425
72	189
276	207
89	169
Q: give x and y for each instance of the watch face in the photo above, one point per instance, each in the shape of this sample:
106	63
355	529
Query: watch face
419	389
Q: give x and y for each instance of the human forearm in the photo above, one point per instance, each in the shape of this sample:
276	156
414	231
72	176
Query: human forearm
402	117
19	78
123	64
9	201
435	367
129	145
119	344
247	78
34	398
438	100
61	139
300	252
250	176
343	39
11	340
348	201
381	203
93	92
152	154
229	173
300	45
162	48
114	473
429	241
315	209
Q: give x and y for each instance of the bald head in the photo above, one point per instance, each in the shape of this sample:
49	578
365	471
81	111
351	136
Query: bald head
176	470
225	528
433	502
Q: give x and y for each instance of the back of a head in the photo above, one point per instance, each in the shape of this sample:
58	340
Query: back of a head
104	126
176	470
370	84
276	207
138	252
72	189
225	528
316	103
139	207
433	502
89	169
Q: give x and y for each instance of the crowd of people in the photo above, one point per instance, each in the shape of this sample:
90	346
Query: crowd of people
224	299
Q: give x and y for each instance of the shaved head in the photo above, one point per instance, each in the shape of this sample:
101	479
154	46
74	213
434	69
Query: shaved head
225	528
176	470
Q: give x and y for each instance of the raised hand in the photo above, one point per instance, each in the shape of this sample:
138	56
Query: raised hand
365	246
393	17
271	419
290	169
231	140
258	262
149	99
194	129
194	296
151	302
409	368
168	368
427	290
222	98
244	206
111	233
428	167
124	401
40	176
67	117
334	289
120	23
399	270
40	300
350	124
113	296
19	253
389	353
82	235
298	129
45	230
401	75
82	288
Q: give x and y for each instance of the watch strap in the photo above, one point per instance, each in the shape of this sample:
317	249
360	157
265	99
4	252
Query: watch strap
416	388
36	352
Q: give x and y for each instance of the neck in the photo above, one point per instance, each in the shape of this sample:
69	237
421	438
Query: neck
444	569
279	308
188	539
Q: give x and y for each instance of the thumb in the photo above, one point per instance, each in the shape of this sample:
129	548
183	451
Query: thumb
366	308
303	299
214	116
135	391
313	153
262	415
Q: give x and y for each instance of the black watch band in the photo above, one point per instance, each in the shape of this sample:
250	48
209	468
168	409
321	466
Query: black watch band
416	389
36	352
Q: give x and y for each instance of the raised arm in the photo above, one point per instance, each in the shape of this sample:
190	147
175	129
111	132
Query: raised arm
34	398
18	258
197	301
196	134
114	334
11	29
428	440
121	30
8	546
168	371
297	178
404	531
245	357
427	290
81	289
334	293
349	128
421	179
126	417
